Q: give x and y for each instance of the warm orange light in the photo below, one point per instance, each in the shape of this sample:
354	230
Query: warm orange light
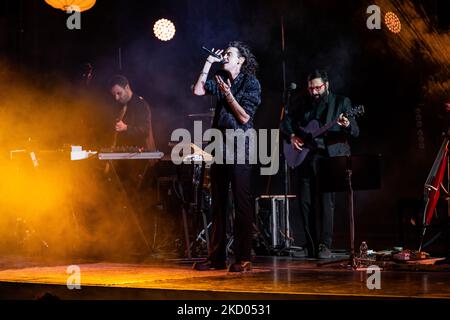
392	22
164	29
83	5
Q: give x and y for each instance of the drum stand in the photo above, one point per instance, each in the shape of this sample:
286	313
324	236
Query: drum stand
197	208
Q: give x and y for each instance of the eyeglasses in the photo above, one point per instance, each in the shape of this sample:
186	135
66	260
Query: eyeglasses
318	88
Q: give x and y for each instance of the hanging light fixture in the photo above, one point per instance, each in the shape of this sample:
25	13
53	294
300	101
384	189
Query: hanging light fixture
164	29
83	5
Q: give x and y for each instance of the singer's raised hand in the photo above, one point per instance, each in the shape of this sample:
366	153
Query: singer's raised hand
212	59
225	87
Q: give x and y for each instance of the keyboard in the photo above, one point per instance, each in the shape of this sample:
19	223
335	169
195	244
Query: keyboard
156	155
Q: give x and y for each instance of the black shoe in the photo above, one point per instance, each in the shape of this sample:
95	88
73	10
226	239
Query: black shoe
209	265
243	266
300	252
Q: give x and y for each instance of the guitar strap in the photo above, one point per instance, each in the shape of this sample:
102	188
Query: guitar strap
319	112
122	113
332	110
334	107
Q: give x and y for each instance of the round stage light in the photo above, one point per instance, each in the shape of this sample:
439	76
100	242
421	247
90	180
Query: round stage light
392	22
64	5
164	29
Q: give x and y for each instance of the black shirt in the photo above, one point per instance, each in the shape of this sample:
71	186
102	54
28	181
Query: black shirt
139	131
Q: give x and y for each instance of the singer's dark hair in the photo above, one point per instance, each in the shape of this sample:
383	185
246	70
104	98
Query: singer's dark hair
316	73
119	80
250	64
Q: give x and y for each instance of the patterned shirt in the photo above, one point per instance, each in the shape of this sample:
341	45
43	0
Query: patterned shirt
247	92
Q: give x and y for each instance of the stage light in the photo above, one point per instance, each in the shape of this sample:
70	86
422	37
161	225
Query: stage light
392	22
73	4
164	29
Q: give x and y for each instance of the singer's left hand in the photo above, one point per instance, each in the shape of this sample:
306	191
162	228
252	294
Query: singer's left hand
225	88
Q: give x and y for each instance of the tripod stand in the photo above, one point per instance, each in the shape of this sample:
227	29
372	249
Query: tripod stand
347	174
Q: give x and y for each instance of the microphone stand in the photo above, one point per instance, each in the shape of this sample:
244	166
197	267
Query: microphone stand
287	237
285	102
286	98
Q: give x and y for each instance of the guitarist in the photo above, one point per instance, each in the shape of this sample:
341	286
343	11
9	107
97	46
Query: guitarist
317	210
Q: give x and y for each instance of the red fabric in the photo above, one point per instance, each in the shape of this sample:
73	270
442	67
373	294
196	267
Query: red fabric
433	195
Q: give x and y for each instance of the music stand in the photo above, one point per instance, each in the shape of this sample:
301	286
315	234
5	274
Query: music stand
347	174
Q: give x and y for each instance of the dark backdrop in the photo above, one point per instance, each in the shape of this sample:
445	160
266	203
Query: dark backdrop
325	34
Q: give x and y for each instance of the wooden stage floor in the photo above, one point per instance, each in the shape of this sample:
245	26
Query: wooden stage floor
272	278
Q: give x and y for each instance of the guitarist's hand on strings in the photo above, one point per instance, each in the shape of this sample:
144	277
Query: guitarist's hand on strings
121	126
296	142
343	121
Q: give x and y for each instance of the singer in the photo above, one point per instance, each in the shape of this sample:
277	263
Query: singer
238	94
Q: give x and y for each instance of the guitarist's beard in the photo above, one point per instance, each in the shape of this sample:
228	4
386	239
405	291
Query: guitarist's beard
318	99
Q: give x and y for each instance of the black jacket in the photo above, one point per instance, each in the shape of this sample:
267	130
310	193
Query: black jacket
301	111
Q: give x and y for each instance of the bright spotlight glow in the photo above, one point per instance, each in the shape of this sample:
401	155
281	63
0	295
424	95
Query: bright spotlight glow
392	22
164	29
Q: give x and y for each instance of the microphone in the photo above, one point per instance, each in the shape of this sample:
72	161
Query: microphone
292	87
213	54
287	92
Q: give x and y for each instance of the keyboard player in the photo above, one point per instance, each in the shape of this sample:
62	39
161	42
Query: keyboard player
133	129
133	125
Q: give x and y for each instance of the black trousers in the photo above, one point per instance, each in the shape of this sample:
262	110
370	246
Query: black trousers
316	208
239	175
